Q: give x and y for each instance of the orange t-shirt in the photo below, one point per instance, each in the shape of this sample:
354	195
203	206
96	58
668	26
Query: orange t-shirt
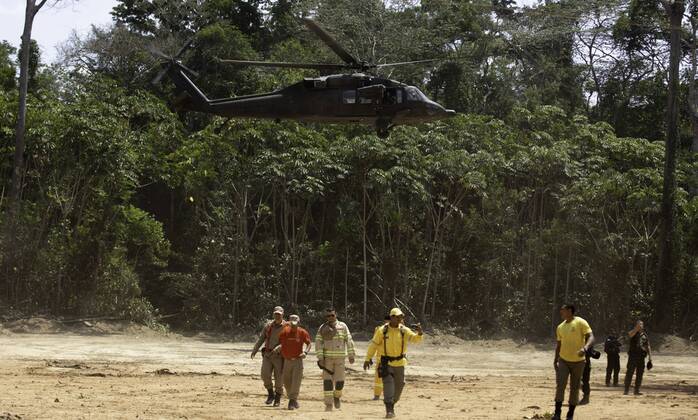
292	341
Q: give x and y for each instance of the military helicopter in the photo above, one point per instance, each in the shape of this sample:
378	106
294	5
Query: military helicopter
352	97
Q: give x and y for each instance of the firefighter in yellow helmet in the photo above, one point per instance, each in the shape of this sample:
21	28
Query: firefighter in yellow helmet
393	338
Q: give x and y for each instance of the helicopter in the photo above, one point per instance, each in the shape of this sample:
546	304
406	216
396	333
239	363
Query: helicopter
350	97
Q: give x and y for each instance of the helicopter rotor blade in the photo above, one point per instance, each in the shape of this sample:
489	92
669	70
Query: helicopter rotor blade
160	75
404	63
156	52
332	43
283	64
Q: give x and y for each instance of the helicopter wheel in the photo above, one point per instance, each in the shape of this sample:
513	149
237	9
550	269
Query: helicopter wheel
383	134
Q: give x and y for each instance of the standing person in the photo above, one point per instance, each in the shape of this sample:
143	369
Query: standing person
574	338
333	343
586	375
291	341
612	349
638	349
393	338
272	363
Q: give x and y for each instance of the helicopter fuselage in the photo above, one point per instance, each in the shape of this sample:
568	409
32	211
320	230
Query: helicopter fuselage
343	98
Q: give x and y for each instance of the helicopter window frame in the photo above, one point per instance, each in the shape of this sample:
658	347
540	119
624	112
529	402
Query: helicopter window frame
393	96
413	94
349	97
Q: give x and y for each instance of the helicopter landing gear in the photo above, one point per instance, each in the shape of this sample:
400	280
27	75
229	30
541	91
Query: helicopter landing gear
383	128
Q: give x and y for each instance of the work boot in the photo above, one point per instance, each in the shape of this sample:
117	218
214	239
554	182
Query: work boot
558	410
570	412
337	403
291	405
295	404
389	410
585	400
270	397
626	392
277	399
376	397
328	407
637	392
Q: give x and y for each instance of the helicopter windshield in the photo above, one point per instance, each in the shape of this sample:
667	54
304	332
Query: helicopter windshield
414	95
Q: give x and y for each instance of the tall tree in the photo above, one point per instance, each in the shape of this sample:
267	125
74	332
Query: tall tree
667	259
18	165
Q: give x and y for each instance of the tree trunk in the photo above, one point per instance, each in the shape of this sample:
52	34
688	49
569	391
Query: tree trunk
664	285
365	259
693	90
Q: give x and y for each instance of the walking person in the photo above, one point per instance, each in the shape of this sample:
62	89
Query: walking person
393	338
333	343
574	338
292	339
638	348
612	349
272	363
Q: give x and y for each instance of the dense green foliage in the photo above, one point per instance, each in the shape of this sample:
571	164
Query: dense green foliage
545	189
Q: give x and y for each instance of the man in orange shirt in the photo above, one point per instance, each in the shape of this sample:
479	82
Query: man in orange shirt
291	341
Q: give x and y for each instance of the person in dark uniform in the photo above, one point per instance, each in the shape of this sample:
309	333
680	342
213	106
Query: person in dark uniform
638	349
612	349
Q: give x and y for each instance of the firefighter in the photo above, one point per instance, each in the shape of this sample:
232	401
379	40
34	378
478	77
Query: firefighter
333	344
393	338
272	363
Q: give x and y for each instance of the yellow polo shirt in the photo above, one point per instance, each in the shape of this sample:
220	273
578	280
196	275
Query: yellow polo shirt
571	337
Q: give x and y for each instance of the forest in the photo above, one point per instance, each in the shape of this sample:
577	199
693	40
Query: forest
553	184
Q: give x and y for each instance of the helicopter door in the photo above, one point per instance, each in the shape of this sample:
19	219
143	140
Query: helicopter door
371	94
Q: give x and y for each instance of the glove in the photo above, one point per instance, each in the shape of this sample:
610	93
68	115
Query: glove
649	365
368	364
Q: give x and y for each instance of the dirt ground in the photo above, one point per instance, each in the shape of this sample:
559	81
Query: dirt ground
137	374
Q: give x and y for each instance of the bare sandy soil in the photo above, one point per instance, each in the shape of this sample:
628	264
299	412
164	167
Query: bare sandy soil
141	375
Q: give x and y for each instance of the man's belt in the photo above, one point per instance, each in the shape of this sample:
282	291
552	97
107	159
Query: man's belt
393	359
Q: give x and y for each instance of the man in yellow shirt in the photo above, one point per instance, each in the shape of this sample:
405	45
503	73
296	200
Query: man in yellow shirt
574	338
393	338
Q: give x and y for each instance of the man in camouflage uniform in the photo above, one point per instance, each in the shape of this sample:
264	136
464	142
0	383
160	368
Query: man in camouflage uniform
272	362
333	343
638	349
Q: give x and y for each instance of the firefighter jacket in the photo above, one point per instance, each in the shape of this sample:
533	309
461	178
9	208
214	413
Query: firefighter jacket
393	342
334	341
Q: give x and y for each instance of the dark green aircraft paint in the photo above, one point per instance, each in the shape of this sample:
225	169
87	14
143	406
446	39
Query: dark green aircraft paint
341	98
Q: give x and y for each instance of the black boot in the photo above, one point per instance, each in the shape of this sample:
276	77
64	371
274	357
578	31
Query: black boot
558	410
570	412
277	399
389	410
270	397
585	400
337	403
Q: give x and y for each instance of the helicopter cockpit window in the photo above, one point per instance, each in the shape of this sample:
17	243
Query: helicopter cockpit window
349	97
413	94
393	96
